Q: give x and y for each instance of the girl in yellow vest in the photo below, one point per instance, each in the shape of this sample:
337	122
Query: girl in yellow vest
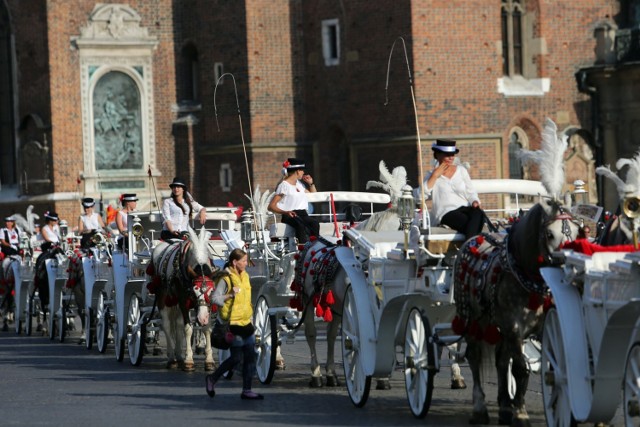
233	296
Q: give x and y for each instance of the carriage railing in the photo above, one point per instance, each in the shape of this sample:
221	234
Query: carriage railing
369	202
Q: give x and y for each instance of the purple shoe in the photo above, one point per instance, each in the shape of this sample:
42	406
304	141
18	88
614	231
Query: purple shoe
209	384
251	395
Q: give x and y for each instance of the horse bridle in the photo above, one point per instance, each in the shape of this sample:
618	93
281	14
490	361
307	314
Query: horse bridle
566	219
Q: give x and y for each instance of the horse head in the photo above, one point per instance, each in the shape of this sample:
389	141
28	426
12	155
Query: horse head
540	232
197	265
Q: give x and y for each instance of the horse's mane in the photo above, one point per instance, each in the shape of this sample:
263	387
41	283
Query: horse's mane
524	239
199	248
386	220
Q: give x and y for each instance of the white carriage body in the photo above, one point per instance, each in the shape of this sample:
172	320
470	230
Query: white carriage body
598	325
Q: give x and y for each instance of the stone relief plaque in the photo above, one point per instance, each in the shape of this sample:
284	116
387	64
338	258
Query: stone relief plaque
117	123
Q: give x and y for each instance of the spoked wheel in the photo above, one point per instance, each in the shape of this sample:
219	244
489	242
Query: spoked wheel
631	393
418	377
136	331
119	344
358	384
555	389
89	324
266	341
62	322
28	321
102	324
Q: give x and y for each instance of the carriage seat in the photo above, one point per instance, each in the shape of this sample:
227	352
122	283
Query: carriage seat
281	230
442	240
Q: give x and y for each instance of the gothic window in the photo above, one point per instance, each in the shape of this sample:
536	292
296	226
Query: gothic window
512	37
190	72
7	119
515	165
331	42
117	123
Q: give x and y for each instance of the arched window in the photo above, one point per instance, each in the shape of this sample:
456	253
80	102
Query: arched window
117	123
515	165
7	118
512	37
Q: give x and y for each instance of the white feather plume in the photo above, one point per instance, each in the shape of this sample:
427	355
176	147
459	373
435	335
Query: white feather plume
260	204
550	158
392	182
631	184
606	171
200	248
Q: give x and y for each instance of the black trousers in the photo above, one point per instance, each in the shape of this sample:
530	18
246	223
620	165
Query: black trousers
304	225
466	219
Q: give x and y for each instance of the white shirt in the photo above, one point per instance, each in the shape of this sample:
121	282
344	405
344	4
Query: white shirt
179	220
292	198
90	222
451	193
13	236
51	234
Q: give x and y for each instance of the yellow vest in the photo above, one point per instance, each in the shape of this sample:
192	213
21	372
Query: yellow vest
242	310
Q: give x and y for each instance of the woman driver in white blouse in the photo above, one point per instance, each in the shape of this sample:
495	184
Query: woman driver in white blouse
178	210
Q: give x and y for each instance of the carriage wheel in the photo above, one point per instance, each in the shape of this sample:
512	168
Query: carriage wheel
102	324
358	384
62	321
418	364
28	322
136	331
631	391
89	324
555	389
266	341
119	345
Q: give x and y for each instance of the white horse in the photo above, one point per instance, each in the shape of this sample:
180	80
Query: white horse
183	278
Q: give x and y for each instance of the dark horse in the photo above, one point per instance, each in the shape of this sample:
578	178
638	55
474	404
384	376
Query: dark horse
499	301
41	277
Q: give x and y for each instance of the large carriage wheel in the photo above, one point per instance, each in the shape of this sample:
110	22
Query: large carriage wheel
62	320
555	389
631	392
30	311
89	324
119	344
136	331
266	341
418	364
358	384
102	323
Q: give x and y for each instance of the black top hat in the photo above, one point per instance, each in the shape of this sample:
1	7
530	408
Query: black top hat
87	202
51	216
177	182
293	164
128	197
10	218
445	146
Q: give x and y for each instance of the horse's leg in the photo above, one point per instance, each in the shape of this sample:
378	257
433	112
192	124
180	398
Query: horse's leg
520	371
167	327
188	359
503	360
332	333
480	414
179	328
457	380
310	334
209	364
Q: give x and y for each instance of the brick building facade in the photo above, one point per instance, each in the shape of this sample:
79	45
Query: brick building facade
299	78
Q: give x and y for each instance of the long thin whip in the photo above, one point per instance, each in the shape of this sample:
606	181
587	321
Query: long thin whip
153	185
415	112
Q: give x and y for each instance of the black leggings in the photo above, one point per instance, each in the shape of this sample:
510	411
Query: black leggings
304	224
466	219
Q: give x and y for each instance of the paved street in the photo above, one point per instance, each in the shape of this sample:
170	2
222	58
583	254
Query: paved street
46	383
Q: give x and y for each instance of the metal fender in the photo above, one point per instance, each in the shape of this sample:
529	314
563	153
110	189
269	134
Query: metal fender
574	340
20	286
612	360
366	316
125	287
89	279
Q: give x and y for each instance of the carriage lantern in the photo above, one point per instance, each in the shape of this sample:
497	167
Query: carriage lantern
64	228
580	194
406	205
245	226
